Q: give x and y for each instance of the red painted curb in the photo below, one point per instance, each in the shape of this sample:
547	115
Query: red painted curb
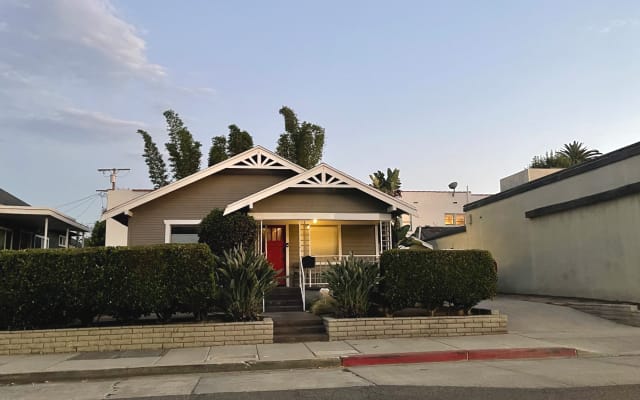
457	355
404	358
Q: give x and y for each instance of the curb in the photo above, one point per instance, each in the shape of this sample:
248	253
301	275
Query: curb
458	355
32	377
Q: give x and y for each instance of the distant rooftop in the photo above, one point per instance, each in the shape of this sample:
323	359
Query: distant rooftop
7	199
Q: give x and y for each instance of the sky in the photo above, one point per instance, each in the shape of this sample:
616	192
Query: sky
462	91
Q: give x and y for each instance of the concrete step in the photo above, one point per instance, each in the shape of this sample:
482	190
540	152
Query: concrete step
299	330
271	309
284	302
298	338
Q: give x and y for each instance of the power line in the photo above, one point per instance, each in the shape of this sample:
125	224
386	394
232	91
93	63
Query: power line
75	201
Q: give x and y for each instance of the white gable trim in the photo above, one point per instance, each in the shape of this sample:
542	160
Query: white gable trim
322	176
256	158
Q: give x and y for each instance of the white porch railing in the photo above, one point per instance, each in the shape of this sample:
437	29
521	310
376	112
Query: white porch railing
315	276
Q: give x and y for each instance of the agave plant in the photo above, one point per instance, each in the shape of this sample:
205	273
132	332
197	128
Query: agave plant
351	283
243	279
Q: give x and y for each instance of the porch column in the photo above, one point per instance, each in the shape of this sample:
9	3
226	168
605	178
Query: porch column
46	233
66	242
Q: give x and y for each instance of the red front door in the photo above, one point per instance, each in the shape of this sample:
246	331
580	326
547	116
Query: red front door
275	238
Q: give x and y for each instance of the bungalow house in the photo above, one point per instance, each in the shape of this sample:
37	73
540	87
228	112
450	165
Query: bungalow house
23	226
573	232
321	212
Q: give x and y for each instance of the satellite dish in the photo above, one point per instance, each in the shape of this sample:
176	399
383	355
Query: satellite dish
453	185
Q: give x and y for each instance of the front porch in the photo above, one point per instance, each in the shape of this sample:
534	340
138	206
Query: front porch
302	249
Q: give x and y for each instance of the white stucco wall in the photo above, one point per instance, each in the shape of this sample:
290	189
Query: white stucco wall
116	234
524	176
590	252
432	205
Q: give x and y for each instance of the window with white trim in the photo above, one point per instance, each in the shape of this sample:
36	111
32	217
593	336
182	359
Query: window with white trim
62	241
324	240
454	219
184	234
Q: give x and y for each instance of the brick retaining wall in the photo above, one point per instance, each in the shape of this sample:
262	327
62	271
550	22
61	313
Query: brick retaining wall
403	327
137	337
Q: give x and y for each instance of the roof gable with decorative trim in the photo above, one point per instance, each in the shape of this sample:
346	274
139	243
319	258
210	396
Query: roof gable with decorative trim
322	176
255	158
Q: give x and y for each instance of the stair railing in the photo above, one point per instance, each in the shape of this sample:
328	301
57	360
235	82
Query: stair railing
302	283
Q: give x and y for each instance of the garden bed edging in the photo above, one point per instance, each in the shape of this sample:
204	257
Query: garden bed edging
135	337
406	327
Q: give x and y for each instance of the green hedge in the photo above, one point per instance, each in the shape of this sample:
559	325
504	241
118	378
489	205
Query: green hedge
460	277
52	288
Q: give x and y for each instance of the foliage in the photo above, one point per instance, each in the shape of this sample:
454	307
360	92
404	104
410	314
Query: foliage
184	152
389	184
239	141
301	143
570	154
324	305
218	150
98	234
244	279
399	233
52	288
223	147
224	232
550	159
154	161
460	277
576	152
351	282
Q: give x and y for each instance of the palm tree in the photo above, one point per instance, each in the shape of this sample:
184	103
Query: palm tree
389	184
576	152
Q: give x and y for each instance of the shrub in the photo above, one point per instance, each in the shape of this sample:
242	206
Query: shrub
52	288
224	232
352	282
461	277
244	278
324	305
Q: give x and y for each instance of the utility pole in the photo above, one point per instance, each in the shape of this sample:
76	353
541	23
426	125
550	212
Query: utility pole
113	173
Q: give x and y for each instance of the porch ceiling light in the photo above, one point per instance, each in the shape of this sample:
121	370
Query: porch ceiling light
315	221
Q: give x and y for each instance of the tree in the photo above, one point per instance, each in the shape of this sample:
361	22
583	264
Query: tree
550	159
98	234
576	152
154	161
224	147
218	151
224	232
301	143
389	184
239	141
184	152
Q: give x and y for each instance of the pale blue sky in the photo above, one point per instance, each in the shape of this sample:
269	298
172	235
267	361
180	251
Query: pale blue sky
467	91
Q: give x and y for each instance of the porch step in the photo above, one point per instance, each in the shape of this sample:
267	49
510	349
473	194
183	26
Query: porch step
283	299
293	327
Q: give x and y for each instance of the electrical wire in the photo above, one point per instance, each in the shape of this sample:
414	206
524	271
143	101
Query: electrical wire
73	202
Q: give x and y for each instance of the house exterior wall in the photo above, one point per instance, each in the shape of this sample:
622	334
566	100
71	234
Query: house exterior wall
433	205
294	245
321	201
195	201
116	233
359	239
589	252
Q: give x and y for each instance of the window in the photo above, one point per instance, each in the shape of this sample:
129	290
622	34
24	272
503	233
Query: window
324	240
184	234
454	218
39	242
62	241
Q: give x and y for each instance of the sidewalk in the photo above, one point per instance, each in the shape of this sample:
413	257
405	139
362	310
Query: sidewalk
541	331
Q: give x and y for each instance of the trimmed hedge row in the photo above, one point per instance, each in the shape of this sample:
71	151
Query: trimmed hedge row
462	278
45	288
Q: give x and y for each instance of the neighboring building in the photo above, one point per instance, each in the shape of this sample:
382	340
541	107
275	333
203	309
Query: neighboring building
571	233
320	212
437	208
23	226
524	176
117	233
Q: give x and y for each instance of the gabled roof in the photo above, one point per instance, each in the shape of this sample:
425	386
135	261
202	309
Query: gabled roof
321	176
255	158
7	199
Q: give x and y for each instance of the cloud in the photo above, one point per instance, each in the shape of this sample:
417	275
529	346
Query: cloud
616	24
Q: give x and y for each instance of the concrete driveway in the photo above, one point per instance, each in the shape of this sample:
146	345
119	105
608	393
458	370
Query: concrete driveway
566	326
